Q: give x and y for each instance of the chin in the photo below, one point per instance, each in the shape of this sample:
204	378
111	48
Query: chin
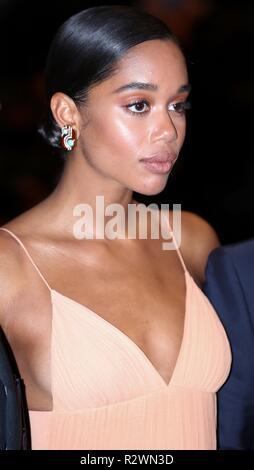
153	187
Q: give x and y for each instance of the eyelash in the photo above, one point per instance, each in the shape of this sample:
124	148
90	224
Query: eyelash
184	105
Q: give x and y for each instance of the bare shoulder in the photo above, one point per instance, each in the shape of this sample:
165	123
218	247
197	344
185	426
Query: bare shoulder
10	272
198	240
197	227
12	258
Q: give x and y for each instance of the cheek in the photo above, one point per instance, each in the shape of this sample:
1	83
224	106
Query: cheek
127	132
180	125
117	129
112	138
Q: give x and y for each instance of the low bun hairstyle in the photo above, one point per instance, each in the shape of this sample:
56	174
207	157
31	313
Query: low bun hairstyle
86	49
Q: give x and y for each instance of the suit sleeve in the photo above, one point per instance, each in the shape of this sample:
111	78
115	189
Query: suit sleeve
226	292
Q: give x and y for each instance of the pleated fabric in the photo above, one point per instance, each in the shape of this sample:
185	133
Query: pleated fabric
108	395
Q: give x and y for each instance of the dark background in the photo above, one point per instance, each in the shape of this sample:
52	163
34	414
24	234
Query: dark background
214	176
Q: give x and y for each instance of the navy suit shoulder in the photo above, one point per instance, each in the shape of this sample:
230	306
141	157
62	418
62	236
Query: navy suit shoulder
230	288
241	257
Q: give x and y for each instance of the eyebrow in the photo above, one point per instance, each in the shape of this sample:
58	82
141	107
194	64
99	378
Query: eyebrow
149	86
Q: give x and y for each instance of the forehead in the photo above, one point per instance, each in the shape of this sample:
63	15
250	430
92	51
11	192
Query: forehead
157	61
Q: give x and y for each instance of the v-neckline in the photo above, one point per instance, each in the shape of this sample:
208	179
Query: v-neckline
127	338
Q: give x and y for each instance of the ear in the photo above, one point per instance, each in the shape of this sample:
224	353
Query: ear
65	111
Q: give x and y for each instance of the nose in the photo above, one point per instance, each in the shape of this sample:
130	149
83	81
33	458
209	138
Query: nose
163	128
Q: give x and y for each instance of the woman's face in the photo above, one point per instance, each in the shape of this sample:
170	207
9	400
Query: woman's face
136	114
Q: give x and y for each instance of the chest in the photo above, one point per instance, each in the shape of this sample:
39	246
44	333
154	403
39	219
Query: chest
141	293
142	296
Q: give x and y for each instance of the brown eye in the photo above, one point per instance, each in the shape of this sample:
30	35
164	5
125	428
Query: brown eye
139	107
180	107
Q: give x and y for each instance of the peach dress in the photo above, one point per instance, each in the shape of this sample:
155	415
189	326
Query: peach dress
108	395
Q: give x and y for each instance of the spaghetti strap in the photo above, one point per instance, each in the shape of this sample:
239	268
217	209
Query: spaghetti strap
28	255
176	244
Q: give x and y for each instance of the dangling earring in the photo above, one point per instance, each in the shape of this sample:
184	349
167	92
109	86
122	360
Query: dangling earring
68	137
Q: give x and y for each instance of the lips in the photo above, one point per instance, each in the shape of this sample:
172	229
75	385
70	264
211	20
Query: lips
160	157
160	162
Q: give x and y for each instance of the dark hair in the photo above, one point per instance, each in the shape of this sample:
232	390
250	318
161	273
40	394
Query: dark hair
86	49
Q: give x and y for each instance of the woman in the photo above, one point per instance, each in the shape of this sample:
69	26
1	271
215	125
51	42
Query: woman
117	346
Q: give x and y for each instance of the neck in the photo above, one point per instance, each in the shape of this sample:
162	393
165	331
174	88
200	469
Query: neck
81	184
